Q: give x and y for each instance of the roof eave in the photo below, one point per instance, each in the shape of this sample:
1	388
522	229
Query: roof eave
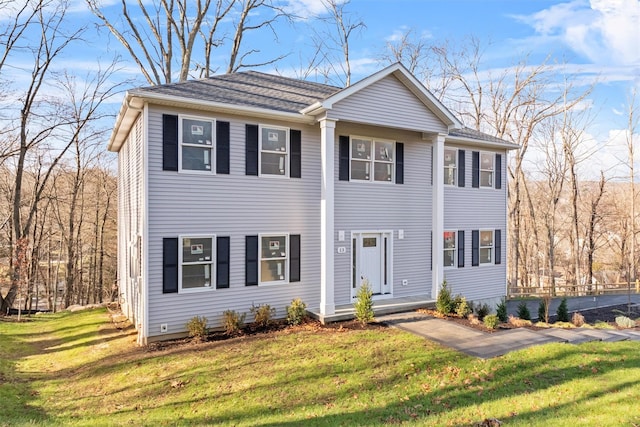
139	98
488	144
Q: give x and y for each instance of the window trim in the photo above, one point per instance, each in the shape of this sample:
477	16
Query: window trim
287	259
492	156
455	167
372	161
287	159
454	249
212	263
490	248
212	147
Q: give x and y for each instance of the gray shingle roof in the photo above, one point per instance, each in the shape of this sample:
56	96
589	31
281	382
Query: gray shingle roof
475	134
251	89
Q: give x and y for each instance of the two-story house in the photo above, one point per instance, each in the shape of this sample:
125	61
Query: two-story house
251	188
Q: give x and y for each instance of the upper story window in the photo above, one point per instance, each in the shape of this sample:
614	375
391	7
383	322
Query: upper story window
371	159
449	254
486	246
274	150
486	169
450	166
196	144
196	262
274	259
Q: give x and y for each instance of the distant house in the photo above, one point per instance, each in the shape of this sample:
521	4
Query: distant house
251	188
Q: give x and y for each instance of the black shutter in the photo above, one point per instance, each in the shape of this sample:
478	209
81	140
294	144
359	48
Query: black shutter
294	258
461	166
399	163
222	262
498	245
222	147
251	254
169	142
170	265
498	171
251	150
460	248
343	153
475	248
475	169
295	146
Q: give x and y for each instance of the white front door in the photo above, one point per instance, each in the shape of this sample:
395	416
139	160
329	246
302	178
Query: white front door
371	261
370	257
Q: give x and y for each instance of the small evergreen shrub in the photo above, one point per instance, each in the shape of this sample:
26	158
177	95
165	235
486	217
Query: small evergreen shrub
563	311
233	321
197	327
444	303
577	319
263	315
296	312
491	321
462	308
625	322
501	310
542	311
482	311
364	303
523	311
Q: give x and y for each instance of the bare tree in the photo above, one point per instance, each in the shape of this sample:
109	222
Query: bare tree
633	118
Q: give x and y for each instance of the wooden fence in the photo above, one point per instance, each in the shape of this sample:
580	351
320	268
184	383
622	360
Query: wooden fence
570	290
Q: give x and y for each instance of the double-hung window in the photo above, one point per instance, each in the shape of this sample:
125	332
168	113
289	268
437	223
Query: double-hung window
196	262
486	246
274	150
274	258
371	159
450	166
196	139
486	169
449	254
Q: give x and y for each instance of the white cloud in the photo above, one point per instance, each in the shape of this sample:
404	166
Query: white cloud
306	8
604	31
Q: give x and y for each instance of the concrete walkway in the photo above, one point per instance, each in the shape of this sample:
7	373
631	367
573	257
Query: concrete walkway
485	345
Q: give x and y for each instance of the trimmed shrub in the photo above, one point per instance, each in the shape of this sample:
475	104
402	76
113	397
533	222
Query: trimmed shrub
364	303
482	311
233	321
197	327
462	308
501	310
296	312
523	311
625	322
491	321
542	311
577	319
563	311
263	315
444	303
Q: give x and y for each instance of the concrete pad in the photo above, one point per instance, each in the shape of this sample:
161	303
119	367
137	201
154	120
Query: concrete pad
568	335
501	343
408	316
632	334
601	334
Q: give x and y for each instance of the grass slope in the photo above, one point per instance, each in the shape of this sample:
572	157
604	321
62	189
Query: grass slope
79	369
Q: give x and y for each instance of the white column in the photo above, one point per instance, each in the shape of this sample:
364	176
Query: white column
327	147
437	215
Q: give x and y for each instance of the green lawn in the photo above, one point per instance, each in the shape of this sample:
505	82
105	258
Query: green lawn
78	369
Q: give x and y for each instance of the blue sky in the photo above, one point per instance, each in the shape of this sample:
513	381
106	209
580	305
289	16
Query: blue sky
597	40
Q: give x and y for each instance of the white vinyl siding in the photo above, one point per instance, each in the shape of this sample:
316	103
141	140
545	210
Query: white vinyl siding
234	205
364	207
387	102
489	210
